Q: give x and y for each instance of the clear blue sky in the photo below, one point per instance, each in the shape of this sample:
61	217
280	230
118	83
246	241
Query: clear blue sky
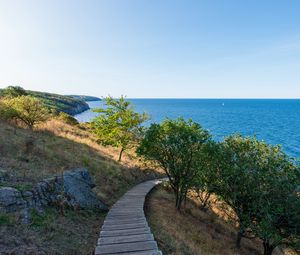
152	48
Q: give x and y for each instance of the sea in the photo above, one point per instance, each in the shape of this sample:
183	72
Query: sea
276	121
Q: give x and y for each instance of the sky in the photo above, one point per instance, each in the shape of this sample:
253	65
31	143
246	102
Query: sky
152	48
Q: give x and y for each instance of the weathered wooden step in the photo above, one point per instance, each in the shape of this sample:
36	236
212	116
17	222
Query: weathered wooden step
114	222
124	232
125	239
126	247
124	226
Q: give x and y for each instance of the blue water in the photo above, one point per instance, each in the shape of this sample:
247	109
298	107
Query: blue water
275	121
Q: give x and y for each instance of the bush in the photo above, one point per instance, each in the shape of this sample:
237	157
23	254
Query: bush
14	91
68	119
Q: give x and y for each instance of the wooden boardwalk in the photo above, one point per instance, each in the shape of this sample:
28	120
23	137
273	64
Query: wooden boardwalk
125	230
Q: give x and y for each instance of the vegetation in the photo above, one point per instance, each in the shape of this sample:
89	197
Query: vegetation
85	98
54	102
14	91
68	119
118	125
29	156
254	185
193	231
258	180
27	109
177	146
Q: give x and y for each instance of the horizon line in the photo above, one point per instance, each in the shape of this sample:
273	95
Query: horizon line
216	98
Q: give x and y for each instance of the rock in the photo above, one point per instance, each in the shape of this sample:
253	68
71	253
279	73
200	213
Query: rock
78	186
11	200
73	190
26	216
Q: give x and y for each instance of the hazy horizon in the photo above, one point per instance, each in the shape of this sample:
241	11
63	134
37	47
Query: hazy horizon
152	49
212	98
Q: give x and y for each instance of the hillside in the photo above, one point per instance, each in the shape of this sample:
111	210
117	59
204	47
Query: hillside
69	104
85	98
61	103
194	231
28	157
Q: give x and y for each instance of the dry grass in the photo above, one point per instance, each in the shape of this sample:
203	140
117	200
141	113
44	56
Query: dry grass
194	231
74	233
27	157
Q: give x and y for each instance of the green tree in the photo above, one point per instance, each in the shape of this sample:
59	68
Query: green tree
14	91
26	109
176	145
6	111
206	178
118	124
237	179
257	180
277	206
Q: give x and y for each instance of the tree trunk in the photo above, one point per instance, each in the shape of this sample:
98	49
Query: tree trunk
120	155
176	199
185	197
268	249
177	202
239	237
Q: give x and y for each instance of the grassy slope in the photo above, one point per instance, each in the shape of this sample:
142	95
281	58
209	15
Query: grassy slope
194	231
60	103
56	147
67	104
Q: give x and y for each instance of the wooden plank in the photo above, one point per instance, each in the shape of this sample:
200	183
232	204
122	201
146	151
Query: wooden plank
124	226
124	232
149	252
126	247
119	218
124	221
125	239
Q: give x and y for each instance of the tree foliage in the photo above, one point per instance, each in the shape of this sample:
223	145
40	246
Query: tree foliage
30	111
258	181
176	145
14	91
206	180
118	124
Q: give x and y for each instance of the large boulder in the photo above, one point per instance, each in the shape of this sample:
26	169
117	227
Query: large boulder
78	186
73	189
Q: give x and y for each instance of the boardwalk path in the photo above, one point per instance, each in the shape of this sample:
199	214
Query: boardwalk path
125	230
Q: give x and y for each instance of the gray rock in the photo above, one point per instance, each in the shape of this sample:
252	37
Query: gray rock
26	216
78	186
73	190
11	200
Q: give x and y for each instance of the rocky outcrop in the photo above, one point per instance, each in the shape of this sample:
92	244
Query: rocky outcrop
78	108
73	189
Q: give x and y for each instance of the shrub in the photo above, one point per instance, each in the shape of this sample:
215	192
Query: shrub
68	119
14	91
